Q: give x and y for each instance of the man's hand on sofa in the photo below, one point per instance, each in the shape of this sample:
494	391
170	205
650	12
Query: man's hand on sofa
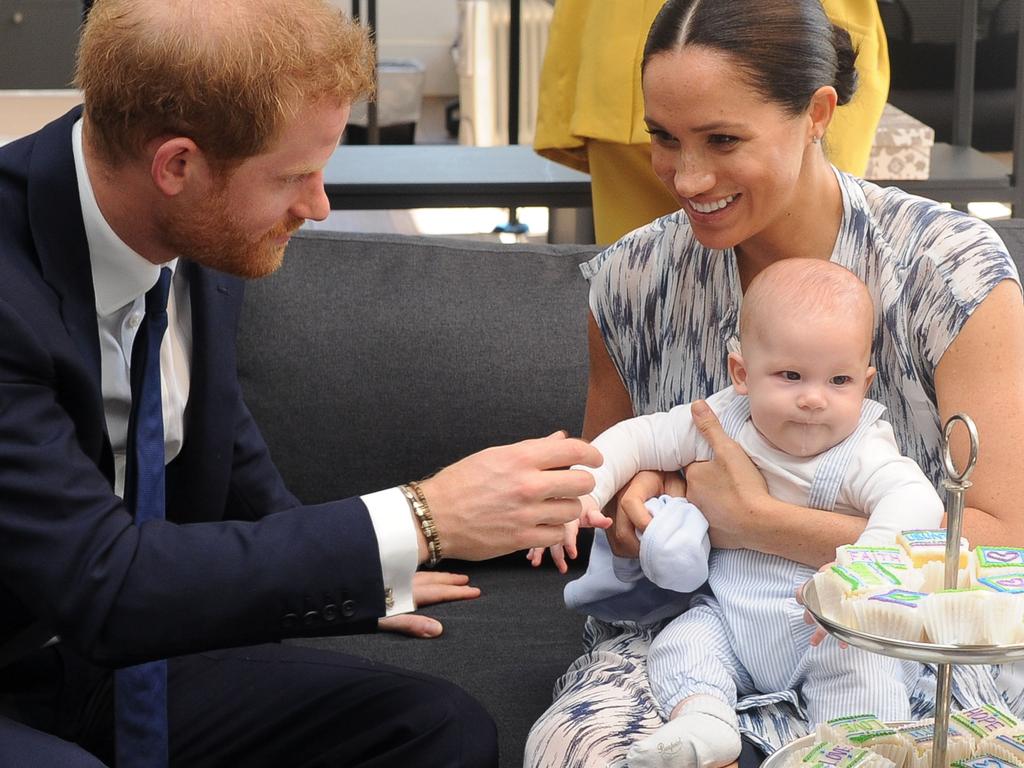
429	588
509	498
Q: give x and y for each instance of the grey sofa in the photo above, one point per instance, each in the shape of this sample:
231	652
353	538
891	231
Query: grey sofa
369	360
372	359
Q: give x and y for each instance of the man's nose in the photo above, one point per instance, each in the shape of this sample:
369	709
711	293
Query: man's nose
312	203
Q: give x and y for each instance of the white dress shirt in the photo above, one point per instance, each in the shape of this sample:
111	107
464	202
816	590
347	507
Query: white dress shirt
120	279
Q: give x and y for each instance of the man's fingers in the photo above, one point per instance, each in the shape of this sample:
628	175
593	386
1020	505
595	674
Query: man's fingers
552	511
411	624
444	593
557	450
706	421
430	587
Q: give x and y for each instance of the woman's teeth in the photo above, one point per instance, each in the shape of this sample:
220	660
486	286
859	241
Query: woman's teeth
713	206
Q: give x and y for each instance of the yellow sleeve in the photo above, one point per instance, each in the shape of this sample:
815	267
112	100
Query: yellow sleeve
590	81
852	131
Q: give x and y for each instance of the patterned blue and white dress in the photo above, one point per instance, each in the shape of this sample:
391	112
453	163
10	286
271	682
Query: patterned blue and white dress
668	309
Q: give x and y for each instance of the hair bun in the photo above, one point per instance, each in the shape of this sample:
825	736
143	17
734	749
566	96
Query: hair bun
846	60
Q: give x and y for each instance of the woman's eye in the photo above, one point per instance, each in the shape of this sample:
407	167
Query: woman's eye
790	375
722	140
840	380
663	137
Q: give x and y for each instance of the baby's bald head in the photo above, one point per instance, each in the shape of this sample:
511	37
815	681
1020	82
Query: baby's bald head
801	290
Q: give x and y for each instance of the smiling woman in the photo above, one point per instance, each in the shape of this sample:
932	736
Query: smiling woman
738	96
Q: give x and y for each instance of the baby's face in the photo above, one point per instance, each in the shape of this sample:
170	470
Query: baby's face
806	379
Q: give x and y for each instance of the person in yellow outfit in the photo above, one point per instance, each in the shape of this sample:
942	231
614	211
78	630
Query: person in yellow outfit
591	109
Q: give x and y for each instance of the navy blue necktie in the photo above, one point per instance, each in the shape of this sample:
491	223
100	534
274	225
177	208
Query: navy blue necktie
140	692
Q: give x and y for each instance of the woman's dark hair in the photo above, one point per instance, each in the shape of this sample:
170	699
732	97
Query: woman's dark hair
786	48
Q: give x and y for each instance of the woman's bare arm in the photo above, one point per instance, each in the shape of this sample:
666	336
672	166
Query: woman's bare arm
982	375
607	400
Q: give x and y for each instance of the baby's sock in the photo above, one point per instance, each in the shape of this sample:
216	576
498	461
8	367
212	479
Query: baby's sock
705	734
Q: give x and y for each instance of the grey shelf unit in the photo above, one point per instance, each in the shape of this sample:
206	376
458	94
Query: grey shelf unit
959	173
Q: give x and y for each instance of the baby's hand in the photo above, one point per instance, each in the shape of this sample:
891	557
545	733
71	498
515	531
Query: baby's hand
559	551
591	516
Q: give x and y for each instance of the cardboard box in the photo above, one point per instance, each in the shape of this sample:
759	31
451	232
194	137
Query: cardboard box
902	148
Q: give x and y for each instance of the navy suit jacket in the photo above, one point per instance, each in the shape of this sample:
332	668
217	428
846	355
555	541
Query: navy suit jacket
238	561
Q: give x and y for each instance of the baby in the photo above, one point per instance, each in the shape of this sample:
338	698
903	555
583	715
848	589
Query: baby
797	407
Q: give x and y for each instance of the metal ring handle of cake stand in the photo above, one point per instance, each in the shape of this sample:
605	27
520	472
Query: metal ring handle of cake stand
955	484
943	656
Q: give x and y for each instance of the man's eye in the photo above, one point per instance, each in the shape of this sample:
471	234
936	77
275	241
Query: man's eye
840	380
790	375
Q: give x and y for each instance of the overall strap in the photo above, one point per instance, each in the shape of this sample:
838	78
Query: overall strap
832	469
735	416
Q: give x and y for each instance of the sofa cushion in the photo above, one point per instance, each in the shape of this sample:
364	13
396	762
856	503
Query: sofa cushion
369	360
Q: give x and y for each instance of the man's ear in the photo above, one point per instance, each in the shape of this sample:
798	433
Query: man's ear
869	377
177	163
738	372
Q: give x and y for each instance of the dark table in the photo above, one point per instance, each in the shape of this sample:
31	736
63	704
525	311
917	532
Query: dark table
450	176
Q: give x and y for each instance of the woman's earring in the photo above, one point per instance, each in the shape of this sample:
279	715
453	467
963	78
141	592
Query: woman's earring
816	139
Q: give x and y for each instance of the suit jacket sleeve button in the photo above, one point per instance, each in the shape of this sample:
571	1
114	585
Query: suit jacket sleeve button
348	609
290	621
330	612
309	618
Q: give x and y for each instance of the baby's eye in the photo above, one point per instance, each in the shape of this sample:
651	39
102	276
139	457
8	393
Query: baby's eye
841	380
790	375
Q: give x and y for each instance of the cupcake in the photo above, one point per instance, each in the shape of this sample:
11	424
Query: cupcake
959	616
982	722
852	553
933	576
1006	746
894	614
1007	626
837	585
925	546
920	740
868	732
985	761
998	561
825	754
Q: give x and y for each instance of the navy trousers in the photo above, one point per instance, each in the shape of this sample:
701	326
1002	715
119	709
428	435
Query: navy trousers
270	705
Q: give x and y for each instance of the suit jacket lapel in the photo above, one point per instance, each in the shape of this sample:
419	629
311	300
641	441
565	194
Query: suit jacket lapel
211	412
55	216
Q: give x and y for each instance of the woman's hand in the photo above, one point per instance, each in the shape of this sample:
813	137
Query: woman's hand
429	588
630	516
728	489
819	632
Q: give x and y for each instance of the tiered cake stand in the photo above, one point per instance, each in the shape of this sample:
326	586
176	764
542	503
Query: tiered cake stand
943	656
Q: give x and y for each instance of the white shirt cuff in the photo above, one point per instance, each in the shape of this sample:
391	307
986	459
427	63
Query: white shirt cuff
399	548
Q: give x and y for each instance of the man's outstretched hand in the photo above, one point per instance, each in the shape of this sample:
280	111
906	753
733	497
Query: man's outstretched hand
429	588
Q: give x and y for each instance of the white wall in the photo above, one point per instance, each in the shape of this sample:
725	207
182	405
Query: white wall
418	29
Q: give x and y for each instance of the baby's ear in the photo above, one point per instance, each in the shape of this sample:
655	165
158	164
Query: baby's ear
869	377
738	372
